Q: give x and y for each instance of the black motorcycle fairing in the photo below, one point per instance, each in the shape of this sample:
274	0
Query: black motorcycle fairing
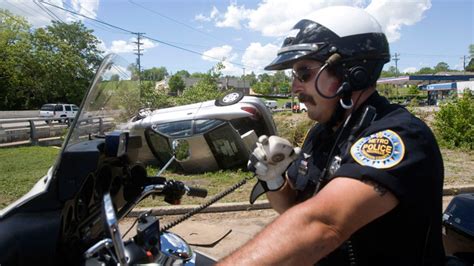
77	161
29	238
84	187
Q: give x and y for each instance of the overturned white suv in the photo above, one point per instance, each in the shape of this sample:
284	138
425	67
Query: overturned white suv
221	133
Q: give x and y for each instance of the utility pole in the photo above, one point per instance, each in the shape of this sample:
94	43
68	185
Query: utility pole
139	67
139	53
464	62
243	79
396	58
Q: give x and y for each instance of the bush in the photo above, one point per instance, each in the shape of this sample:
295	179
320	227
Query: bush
293	127
454	123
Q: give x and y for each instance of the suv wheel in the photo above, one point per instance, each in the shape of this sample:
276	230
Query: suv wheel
230	98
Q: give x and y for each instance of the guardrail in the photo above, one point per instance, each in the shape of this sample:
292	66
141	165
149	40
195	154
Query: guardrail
43	131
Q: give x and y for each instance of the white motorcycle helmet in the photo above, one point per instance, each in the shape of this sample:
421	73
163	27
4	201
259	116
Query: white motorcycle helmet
350	32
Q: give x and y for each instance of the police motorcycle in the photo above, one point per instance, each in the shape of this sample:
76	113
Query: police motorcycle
71	215
458	230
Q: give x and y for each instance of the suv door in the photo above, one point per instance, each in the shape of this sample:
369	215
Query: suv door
58	110
68	111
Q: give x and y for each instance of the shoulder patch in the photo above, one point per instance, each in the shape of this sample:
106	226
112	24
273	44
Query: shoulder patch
380	150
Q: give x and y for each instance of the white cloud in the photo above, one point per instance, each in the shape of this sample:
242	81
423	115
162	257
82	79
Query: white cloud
226	56
233	16
393	15
101	45
86	7
201	17
39	17
121	46
212	15
219	54
231	69
410	70
257	56
274	18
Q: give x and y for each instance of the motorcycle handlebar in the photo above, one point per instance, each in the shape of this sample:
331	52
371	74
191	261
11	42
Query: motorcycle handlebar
196	192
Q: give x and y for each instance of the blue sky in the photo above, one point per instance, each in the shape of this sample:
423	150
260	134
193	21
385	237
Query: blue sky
248	33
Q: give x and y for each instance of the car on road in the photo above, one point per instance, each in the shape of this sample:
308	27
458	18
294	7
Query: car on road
221	133
62	112
271	104
299	107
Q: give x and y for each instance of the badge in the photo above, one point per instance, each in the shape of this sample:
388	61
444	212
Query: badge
381	150
335	165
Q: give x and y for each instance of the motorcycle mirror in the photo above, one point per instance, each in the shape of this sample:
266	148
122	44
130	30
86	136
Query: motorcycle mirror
181	150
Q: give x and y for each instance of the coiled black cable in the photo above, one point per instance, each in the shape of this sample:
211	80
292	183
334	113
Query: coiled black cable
205	205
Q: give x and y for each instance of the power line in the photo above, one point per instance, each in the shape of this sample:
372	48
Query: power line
190	51
179	22
20	8
93	19
49	12
147	37
92	23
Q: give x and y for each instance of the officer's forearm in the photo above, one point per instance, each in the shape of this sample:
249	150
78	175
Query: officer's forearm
282	199
294	238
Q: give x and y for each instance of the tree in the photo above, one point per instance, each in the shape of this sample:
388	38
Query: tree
391	72
250	78
426	70
264	77
413	89
52	64
470	66
205	89
183	74
115	77
133	68
15	46
441	67
155	73
176	84
454	122
264	88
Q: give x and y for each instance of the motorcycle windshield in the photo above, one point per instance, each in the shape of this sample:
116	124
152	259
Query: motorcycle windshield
111	100
220	124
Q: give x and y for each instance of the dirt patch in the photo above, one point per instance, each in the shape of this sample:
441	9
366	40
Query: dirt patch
458	167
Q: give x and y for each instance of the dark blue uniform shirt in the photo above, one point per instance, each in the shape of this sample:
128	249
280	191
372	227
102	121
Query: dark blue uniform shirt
399	152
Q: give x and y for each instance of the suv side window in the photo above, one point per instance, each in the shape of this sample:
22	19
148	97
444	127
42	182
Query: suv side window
58	107
68	107
75	108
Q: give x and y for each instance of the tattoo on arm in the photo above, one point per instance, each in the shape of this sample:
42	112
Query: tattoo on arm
377	187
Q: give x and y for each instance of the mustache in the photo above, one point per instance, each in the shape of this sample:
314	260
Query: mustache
305	98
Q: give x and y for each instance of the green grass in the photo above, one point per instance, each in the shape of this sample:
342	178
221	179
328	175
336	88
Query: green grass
215	183
21	168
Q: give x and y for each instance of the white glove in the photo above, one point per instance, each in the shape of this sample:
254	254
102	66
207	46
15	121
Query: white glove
270	159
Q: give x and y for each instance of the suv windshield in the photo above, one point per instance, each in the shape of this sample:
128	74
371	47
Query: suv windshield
47	107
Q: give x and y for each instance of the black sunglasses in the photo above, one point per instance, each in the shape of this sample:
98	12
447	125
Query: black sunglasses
303	74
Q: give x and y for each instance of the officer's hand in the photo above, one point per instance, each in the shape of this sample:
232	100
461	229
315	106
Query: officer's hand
270	159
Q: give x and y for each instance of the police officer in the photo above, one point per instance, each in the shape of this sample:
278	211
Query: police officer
366	187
